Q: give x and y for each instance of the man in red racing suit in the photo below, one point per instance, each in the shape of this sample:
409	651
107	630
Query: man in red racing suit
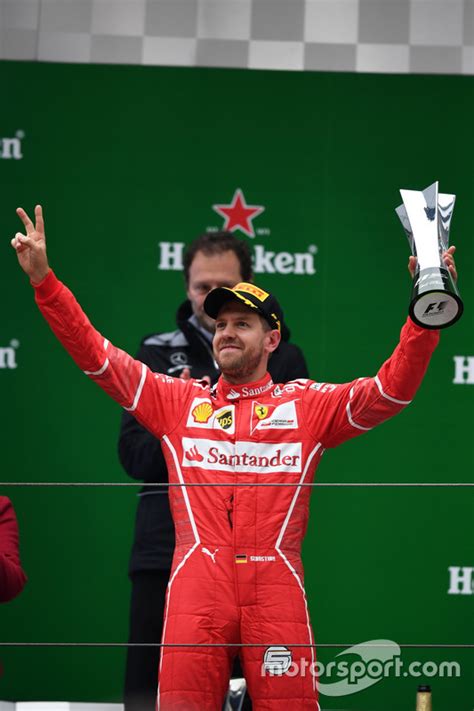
237	575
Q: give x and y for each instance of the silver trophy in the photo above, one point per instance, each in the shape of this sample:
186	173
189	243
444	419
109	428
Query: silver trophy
426	218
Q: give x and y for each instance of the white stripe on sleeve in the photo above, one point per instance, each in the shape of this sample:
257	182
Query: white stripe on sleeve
100	371
104	367
354	424
388	397
139	390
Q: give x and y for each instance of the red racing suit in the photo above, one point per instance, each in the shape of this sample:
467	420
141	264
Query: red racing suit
237	575
12	577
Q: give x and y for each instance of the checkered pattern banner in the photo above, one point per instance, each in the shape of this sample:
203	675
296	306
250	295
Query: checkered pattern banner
398	36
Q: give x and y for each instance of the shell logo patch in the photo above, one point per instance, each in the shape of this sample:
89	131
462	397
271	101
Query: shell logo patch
202	412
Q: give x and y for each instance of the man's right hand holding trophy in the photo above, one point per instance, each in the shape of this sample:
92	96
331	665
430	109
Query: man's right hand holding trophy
426	218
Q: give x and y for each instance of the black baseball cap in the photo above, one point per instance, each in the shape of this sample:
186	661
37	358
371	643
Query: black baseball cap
250	295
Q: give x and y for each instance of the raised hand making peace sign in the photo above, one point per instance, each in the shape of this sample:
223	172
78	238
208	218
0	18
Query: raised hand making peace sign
31	248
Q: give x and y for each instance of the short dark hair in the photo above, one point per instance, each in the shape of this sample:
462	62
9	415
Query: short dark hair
216	243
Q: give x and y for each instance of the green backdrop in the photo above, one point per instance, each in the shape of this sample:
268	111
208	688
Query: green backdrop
123	158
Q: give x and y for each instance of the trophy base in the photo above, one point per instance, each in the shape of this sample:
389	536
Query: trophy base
436	309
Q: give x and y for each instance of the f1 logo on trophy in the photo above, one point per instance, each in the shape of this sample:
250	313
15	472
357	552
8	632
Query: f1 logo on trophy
426	218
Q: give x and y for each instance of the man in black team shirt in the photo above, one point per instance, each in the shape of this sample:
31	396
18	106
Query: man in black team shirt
212	260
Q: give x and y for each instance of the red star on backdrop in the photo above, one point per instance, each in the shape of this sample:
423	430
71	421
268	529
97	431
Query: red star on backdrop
239	215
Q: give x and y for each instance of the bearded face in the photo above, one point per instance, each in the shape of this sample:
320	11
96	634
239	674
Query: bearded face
242	343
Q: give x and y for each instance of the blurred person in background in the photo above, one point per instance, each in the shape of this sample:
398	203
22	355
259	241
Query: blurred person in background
12	576
212	260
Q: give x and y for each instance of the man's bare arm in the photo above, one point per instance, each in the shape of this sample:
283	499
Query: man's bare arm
31	248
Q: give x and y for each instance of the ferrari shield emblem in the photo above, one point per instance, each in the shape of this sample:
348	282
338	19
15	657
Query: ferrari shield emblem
261	411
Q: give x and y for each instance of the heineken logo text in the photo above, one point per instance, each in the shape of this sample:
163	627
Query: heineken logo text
8	355
10	148
264	261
